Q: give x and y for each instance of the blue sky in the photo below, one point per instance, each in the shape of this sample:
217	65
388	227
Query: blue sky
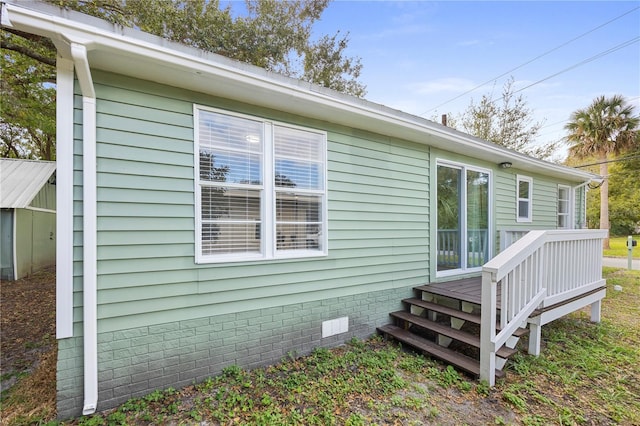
418	55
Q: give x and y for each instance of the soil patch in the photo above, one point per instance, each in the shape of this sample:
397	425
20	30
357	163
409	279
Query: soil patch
28	345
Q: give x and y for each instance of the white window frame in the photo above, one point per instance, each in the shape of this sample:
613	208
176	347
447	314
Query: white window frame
569	213
529	217
268	249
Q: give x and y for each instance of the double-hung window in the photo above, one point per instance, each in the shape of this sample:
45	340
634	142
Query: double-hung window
260	188
524	204
564	207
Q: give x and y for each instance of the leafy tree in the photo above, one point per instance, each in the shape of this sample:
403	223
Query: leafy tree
604	129
509	123
272	34
624	200
27	122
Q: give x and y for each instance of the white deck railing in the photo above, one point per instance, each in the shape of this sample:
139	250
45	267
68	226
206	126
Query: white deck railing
540	269
510	236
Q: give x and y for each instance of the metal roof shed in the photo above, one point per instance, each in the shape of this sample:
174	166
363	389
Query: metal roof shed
28	217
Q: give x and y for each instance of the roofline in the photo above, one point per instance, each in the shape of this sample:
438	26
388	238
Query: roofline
254	85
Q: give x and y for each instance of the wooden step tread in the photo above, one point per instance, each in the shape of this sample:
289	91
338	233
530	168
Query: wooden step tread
466	316
520	332
456	359
461	336
466	297
473	318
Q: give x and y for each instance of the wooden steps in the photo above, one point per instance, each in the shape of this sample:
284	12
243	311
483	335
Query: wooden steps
465	316
458	335
454	358
434	307
435	325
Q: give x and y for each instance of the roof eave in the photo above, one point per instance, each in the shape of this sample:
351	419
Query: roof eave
129	52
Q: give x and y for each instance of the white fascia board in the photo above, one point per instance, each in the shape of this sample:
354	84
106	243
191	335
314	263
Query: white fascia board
169	63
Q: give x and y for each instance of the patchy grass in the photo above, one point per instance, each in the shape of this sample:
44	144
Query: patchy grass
361	383
618	247
587	374
33	399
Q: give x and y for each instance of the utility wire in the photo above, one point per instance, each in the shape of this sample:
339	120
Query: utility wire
584	62
532	60
552	124
609	161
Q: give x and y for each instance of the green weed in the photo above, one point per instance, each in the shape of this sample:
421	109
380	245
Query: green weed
514	400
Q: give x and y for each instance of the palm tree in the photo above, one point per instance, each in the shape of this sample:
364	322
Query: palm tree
607	127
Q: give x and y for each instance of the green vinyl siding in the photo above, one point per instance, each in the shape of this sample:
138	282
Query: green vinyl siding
545	201
378	215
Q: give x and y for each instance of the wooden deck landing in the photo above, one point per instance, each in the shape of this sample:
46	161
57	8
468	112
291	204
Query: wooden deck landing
466	289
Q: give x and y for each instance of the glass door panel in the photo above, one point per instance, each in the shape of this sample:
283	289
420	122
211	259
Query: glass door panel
477	218
449	218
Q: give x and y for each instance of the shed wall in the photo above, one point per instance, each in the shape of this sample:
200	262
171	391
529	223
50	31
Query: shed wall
45	198
35	243
6	244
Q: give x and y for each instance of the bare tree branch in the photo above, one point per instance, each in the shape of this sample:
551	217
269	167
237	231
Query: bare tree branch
44	41
28	52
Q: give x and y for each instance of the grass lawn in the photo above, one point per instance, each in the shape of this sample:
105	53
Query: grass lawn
587	374
618	247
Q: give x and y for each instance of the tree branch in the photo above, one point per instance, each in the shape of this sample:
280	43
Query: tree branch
44	41
28	52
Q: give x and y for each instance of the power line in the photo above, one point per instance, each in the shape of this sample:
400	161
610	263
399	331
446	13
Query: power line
630	157
552	124
534	59
584	62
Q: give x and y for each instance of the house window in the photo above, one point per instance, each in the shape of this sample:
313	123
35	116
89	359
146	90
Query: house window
564	207
261	190
525	199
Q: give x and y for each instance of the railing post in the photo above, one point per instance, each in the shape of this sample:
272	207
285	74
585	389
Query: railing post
488	328
535	336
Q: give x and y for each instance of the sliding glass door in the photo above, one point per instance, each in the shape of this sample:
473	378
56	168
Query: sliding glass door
463	238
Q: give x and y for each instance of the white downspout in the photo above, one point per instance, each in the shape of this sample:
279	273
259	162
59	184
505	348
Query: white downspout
89	216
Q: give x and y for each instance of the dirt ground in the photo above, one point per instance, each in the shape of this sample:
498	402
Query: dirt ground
27	335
